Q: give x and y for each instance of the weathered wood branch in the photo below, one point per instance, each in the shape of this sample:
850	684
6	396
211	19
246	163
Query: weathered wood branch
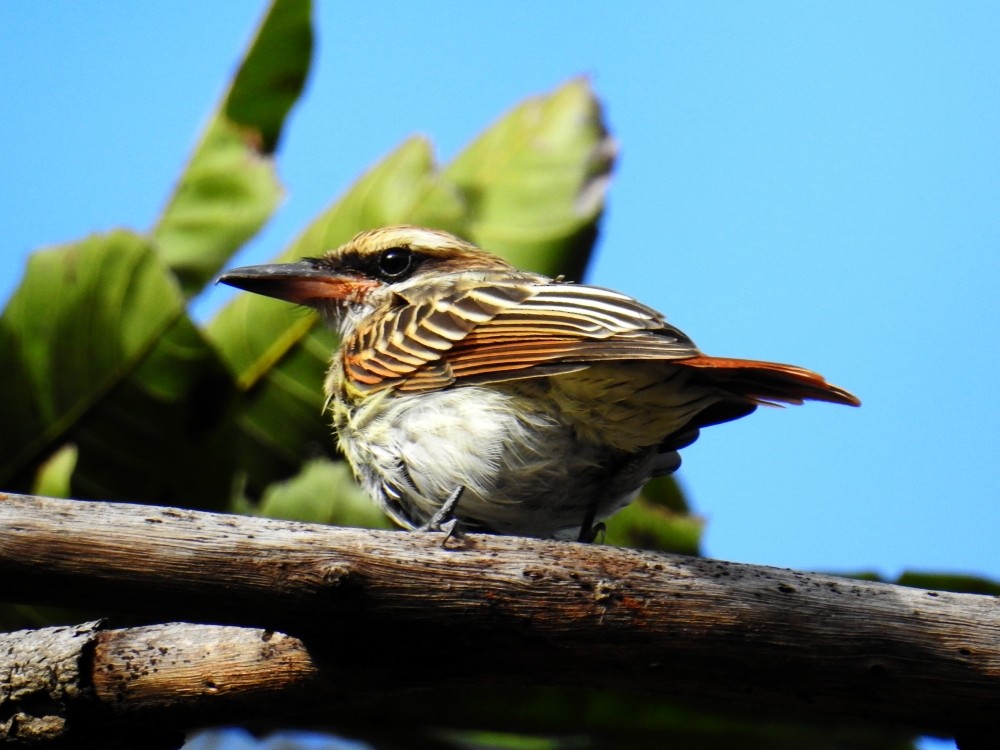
85	685
394	610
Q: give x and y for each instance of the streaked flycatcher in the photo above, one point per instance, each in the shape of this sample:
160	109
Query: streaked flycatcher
537	406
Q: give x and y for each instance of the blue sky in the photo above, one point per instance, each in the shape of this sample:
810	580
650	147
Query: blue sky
815	183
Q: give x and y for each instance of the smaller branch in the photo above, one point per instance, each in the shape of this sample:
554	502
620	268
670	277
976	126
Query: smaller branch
40	678
211	670
81	685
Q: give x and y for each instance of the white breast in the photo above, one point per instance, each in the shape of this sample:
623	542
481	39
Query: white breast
524	471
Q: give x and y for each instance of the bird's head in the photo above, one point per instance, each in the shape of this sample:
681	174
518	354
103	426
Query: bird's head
369	271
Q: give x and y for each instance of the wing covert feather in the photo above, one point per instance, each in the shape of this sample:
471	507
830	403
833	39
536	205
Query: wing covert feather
504	330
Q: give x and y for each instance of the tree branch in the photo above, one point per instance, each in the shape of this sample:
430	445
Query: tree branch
395	610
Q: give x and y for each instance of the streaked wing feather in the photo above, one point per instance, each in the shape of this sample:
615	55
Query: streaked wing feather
507	330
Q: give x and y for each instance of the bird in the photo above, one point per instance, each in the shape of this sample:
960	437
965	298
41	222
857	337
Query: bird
471	394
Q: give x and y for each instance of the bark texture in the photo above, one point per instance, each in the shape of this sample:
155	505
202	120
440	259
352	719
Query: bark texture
41	680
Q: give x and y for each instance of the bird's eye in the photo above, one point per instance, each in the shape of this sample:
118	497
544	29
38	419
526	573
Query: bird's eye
395	262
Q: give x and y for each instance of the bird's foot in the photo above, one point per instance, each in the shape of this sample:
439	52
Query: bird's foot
444	519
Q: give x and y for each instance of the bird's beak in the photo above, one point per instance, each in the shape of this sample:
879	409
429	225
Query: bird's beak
302	283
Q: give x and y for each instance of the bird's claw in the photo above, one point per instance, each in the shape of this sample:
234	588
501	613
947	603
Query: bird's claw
444	518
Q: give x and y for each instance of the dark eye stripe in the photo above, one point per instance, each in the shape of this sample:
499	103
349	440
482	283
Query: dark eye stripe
389	265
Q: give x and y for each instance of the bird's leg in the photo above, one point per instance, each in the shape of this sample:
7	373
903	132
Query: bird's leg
589	531
444	519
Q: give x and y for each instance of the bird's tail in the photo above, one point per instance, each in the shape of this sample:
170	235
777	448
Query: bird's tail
769	382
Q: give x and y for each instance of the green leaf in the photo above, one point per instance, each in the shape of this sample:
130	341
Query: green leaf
273	73
570	718
535	181
659	519
279	421
230	187
96	342
657	525
82	318
957	582
55	474
108	367
165	434
323	492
